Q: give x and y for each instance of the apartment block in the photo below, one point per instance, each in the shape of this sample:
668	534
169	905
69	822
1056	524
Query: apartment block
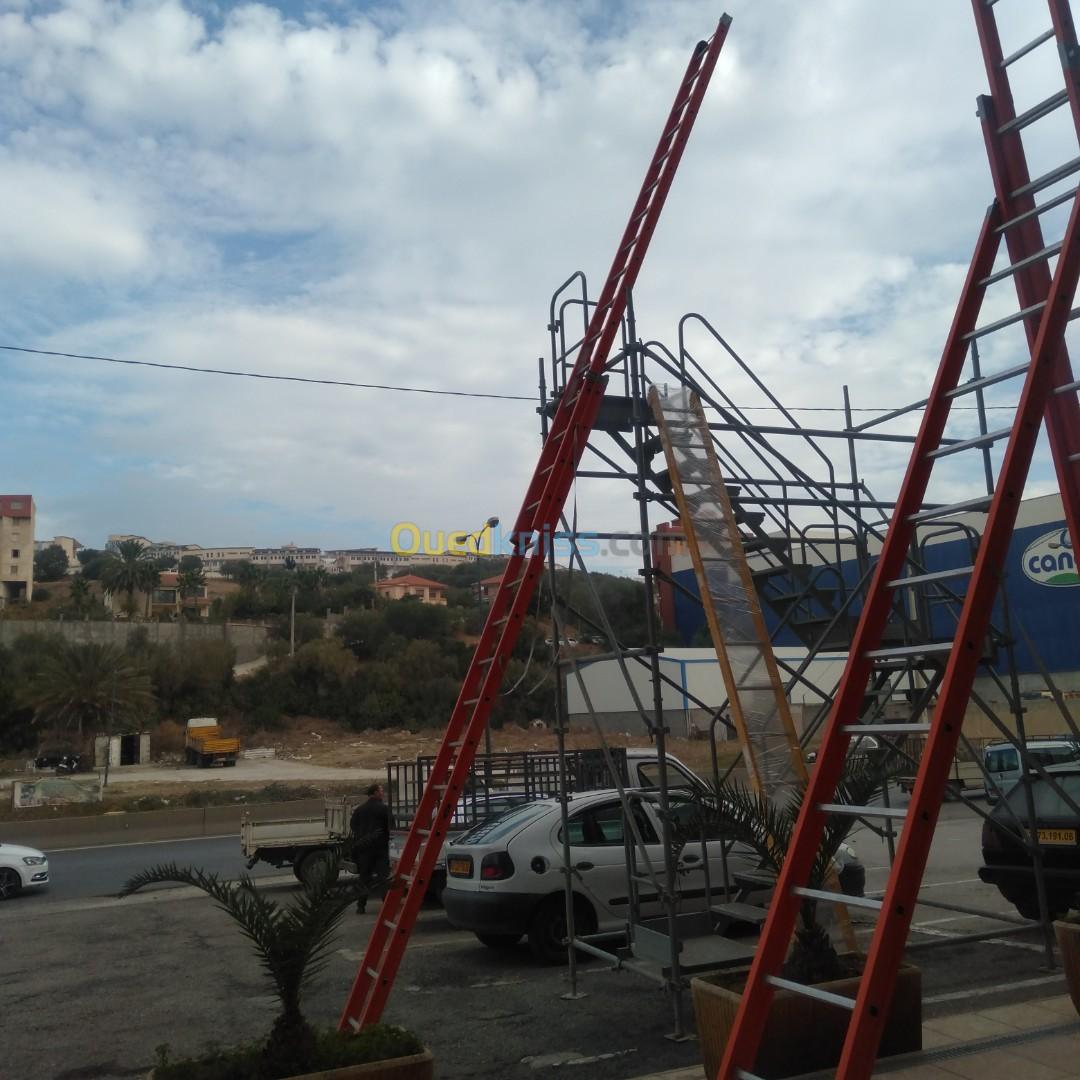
16	548
67	544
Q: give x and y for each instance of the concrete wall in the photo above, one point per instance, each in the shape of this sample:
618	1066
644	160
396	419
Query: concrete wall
151	825
249	641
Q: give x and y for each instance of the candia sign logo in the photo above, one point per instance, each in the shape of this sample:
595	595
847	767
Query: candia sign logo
1050	561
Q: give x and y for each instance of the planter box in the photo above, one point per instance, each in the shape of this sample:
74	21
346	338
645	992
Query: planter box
413	1067
1068	940
803	1035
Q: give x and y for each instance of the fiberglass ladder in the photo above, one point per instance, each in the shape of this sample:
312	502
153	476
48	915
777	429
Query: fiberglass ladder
757	699
1049	391
534	530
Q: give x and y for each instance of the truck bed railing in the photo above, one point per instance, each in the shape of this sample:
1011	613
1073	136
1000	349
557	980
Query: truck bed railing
533	774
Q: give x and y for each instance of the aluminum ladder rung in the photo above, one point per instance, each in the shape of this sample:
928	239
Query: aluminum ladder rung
1035	211
902	652
1036	112
811	992
848	810
1034	43
987	380
1047	252
1068	387
979	505
885	729
1074	458
988	439
740	1074
982	331
926	579
838	898
1047	178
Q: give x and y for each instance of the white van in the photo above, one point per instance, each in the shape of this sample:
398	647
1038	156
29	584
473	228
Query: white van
1002	760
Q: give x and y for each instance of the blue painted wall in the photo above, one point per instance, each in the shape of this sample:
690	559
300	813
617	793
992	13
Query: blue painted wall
1043	589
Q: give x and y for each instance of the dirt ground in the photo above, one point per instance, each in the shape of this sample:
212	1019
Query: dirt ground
319	754
320	743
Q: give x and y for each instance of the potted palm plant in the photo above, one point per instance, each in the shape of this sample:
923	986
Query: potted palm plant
1067	932
293	943
802	1034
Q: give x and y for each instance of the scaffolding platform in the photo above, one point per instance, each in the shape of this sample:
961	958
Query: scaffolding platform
701	950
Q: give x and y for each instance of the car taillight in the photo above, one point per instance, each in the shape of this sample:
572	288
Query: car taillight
496	866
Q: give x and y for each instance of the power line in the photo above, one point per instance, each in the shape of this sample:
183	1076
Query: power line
419	389
264	375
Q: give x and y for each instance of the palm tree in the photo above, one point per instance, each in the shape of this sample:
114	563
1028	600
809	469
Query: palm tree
129	568
80	593
189	581
311	578
89	686
247	573
292	942
750	817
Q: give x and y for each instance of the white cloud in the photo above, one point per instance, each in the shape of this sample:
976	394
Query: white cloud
389	194
68	224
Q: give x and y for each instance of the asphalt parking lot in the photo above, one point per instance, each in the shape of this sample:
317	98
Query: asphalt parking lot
91	985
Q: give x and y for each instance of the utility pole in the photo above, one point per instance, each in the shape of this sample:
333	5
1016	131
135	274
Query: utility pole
290	565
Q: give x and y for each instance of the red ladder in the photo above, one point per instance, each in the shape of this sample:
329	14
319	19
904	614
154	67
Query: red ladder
535	525
1050	391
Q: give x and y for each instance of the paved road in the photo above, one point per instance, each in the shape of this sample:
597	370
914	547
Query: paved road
100	871
167	955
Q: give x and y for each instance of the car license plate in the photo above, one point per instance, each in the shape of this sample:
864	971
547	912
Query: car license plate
1057	836
460	867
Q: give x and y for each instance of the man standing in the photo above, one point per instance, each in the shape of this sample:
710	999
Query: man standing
370	827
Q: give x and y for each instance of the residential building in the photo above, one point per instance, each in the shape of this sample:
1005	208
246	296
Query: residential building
16	548
68	545
163	602
213	559
424	590
275	557
342	560
166	599
488	587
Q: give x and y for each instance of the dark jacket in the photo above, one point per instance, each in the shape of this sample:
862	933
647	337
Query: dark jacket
370	827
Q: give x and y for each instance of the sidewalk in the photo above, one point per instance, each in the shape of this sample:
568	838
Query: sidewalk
1032	1040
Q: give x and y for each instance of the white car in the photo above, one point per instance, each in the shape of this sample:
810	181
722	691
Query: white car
504	877
21	868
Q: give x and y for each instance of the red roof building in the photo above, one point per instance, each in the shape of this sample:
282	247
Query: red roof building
409	585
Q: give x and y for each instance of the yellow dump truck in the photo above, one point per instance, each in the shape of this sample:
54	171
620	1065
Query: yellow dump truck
206	746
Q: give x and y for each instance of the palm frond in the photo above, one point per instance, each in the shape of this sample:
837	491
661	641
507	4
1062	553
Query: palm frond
293	943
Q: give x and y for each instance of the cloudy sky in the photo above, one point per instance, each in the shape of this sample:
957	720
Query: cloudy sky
389	193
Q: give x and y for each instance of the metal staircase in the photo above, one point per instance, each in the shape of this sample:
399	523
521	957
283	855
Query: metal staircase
1048	391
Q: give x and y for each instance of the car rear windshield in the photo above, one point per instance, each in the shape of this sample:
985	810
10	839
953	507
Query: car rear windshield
1007	759
499	827
1003	760
1049	802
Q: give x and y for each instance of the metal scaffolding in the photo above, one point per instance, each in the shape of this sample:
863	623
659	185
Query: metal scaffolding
810	527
